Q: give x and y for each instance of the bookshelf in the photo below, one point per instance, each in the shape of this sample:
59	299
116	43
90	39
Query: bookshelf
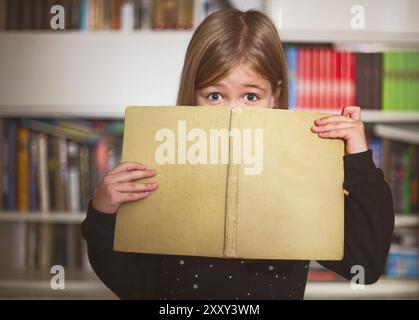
95	74
113	112
54	217
385	288
406	134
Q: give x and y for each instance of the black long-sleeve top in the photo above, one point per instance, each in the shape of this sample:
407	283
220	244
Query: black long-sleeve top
369	222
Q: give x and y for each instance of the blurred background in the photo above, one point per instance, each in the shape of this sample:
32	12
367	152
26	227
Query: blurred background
64	86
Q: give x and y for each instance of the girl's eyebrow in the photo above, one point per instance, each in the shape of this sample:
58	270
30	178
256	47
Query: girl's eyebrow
255	86
249	85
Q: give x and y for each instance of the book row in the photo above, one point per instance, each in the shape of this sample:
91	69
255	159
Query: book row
323	78
104	14
54	165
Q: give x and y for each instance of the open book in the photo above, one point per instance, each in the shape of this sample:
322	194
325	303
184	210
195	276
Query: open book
235	183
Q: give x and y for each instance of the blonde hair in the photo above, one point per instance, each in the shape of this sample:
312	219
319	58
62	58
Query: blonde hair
223	40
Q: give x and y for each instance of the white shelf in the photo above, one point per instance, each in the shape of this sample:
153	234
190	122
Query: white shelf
81	288
118	112
403	221
385	40
64	111
53	217
384	288
372	116
405	134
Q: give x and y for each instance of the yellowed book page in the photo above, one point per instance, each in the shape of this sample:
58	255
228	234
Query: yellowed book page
186	215
293	209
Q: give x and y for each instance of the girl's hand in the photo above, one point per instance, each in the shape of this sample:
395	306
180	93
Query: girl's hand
116	187
351	129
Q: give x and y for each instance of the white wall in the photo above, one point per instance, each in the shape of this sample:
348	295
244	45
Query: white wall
380	15
91	69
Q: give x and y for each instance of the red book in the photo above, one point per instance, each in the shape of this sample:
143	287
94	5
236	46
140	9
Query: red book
345	82
337	102
352	79
308	75
300	78
116	15
348	79
323	79
328	86
315	79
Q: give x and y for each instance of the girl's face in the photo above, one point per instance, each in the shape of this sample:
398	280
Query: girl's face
242	87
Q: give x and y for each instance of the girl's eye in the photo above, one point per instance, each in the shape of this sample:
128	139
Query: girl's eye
214	96
251	97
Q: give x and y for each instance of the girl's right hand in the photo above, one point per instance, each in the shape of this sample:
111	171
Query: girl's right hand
116	186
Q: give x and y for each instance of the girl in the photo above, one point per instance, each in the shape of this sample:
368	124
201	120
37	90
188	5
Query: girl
236	59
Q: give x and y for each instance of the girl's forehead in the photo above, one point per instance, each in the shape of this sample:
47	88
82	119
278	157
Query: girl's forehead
243	74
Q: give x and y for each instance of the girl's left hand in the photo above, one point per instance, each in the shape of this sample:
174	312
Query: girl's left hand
348	126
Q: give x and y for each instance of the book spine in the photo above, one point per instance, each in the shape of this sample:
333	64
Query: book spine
73	178
329	79
308	75
385	93
107	8
337	82
301	85
185	14
116	14
147	14
43	181
62	175
231	218
344	80
376	81
33	171
158	22
292	76
74	7
127	16
26	21
85	175
415	180
3	8
92	15
351	79
315	78
84	15
23	170
2	162
11	162
322	79
45	230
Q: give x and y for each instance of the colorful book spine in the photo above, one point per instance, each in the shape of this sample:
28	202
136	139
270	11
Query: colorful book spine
84	15
33	171
11	162
291	52
3	162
